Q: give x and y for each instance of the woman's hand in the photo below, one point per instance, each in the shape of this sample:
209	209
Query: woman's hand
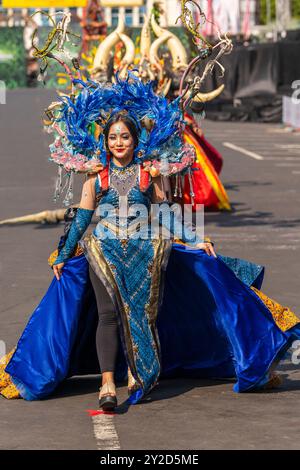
207	247
57	269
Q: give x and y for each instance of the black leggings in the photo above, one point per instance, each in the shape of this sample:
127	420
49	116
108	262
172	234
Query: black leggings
107	340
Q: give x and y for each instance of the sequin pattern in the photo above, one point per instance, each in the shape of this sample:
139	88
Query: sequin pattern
283	316
7	387
131	262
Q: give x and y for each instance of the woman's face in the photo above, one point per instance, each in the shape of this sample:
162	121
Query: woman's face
120	141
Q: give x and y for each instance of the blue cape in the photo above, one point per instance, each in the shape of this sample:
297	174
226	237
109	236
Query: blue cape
210	324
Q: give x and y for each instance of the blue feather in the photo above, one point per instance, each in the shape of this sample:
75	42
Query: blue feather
94	101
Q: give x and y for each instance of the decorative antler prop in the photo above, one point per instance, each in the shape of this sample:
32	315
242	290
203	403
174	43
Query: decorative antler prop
191	93
188	21
78	119
56	40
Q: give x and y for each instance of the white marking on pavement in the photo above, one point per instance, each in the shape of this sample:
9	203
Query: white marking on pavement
296	172
281	247
261	148
287	164
290	159
242	150
288	146
286	130
105	432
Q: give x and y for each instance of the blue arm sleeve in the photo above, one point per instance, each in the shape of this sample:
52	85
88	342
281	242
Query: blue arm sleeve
79	225
179	229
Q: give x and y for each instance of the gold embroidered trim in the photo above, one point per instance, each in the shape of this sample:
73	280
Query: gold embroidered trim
283	316
7	388
177	240
121	232
159	246
54	255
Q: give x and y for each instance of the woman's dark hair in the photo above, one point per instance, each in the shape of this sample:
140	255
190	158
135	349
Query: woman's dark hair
129	123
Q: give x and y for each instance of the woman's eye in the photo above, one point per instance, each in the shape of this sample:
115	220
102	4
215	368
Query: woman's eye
123	136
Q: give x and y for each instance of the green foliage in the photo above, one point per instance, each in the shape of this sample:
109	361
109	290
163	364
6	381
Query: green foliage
263	11
295	10
157	11
12	71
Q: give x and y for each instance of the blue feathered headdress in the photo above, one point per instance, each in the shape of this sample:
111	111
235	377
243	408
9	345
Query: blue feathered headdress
78	121
95	103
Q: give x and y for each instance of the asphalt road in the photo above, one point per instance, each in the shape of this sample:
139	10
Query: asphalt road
182	414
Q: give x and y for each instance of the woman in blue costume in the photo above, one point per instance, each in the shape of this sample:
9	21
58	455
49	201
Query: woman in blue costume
158	306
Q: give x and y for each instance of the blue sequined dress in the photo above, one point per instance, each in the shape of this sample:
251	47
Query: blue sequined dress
180	311
131	269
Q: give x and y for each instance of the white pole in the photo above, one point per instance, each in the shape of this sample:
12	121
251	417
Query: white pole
283	15
268	13
135	16
10	16
107	16
149	6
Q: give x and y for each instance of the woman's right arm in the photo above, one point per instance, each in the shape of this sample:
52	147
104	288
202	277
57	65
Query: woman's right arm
79	224
88	195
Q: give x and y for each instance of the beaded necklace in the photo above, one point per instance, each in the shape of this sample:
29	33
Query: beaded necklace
123	178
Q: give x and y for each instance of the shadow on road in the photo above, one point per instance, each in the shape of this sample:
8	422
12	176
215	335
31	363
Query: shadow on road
168	388
245	184
243	217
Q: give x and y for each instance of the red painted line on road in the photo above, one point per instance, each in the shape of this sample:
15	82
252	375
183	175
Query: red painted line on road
99	412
